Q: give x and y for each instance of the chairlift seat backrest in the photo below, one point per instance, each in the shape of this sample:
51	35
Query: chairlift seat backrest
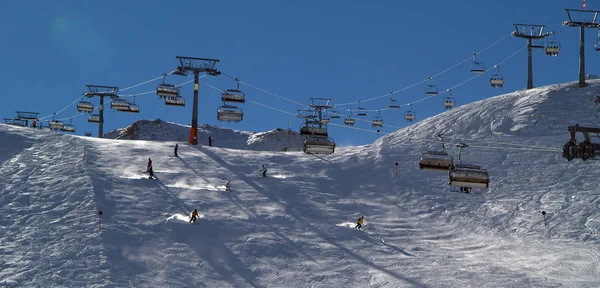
349	121
94	118
174	101
233	95
167	90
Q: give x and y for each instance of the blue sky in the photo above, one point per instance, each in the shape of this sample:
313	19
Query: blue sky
343	50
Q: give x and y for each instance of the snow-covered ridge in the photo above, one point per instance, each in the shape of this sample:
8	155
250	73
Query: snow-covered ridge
158	130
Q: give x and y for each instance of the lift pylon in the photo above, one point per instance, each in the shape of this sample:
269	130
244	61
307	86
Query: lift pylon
530	32
197	66
101	91
582	25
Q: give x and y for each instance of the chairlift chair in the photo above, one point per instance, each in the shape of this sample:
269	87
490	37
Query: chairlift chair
312	130
94	118
449	103
393	102
233	95
133	108
471	176
496	79
477	67
349	121
174	101
377	121
436	160
119	104
167	90
68	128
597	44
431	89
360	111
85	106
55	124
409	116
552	48
319	145
228	113
325	120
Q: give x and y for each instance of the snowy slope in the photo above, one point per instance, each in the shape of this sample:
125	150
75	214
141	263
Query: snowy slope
294	228
158	130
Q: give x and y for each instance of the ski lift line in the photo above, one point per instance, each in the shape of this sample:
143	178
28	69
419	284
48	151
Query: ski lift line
272	94
143	83
76	100
356	128
468	80
273	108
490	141
549	150
436	75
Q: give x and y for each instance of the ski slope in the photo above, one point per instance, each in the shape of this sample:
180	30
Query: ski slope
295	227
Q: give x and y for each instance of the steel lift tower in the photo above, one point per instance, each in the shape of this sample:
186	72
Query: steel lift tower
530	32
582	25
196	65
101	91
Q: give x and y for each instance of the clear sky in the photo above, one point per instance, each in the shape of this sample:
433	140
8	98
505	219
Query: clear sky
343	50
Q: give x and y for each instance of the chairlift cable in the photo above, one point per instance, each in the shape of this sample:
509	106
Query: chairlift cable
440	73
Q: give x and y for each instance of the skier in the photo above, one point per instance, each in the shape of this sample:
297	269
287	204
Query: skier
359	223
210	141
263	170
150	172
34	123
149	165
227	187
176	147
194	216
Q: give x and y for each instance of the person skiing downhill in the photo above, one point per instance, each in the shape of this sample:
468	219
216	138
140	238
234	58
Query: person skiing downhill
359	223
194	216
227	186
209	141
176	147
263	170
149	165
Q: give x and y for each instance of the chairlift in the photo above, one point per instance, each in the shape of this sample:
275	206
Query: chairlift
597	44
94	118
436	160
55	124
325	120
119	104
133	108
377	121
552	48
167	90
85	106
319	145
233	95
334	114
361	111
409	116
68	127
174	101
469	176
477	67
310	129
431	89
496	79
393	102
228	113
449	102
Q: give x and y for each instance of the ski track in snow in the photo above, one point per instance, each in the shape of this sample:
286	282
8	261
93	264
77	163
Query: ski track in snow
295	228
